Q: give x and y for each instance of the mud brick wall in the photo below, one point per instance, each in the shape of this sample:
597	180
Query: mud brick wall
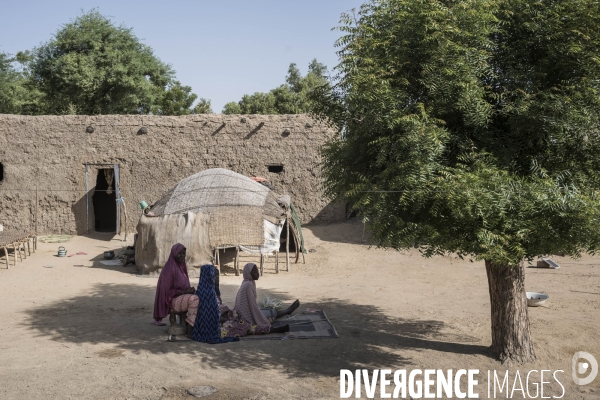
153	153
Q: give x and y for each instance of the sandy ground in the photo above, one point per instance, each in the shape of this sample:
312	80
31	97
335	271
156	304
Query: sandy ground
82	330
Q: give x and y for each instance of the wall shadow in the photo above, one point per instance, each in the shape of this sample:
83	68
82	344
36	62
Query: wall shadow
254	131
351	231
79	213
333	212
219	129
128	269
120	314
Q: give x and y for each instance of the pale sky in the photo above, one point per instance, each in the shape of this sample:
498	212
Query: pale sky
222	49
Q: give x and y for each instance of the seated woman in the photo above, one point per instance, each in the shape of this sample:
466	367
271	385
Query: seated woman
173	290
207	327
248	318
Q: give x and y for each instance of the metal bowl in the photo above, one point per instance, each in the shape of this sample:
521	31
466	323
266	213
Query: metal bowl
109	255
535	299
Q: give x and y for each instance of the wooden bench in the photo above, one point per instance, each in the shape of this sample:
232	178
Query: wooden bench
18	242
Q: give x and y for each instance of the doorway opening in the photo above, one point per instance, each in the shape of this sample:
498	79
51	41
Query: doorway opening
104	201
283	239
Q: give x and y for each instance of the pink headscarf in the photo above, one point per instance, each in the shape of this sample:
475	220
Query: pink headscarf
245	301
173	278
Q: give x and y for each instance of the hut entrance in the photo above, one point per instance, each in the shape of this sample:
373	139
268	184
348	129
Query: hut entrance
283	239
104	201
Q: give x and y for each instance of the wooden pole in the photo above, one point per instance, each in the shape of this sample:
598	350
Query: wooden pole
36	208
237	260
262	264
287	244
87	202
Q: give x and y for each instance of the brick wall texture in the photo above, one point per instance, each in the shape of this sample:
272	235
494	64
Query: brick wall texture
51	152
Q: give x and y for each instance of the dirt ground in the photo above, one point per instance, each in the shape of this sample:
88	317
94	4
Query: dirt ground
82	330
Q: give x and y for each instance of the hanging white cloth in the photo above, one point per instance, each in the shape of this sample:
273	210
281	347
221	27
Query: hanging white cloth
109	175
272	240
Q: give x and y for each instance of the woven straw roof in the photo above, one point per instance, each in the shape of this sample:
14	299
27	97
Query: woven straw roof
236	205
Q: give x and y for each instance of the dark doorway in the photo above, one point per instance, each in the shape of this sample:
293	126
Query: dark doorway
104	201
283	238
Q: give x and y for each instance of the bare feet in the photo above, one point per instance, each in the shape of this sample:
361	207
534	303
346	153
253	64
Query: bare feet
294	306
158	323
289	310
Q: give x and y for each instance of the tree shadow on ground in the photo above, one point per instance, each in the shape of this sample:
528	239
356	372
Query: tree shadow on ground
97	263
120	314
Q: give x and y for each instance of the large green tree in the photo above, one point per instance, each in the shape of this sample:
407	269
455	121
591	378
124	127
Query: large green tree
91	66
293	97
472	126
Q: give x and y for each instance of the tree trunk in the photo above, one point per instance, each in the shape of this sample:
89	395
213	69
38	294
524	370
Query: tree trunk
511	336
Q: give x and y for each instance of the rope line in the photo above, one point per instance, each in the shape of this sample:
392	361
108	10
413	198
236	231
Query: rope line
229	191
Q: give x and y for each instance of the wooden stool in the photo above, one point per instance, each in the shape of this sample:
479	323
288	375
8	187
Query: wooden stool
175	328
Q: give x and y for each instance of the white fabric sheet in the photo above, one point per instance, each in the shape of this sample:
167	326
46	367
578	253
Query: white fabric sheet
272	240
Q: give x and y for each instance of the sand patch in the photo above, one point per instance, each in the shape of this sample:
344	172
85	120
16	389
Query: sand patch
111	353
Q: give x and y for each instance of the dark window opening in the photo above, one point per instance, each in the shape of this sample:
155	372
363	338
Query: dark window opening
104	202
1	172
275	168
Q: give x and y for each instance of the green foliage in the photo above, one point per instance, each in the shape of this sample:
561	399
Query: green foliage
293	97
258	103
91	66
176	100
469	126
16	94
203	107
232	108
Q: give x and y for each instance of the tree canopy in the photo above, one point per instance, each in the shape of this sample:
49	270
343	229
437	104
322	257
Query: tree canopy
92	66
293	97
469	126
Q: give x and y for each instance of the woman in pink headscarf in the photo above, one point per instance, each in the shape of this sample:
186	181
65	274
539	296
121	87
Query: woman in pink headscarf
173	290
248	318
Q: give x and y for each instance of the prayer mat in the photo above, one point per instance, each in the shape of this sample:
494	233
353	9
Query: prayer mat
305	325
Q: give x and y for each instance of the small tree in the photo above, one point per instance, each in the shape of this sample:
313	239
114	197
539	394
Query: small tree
472	127
293	97
203	107
176	100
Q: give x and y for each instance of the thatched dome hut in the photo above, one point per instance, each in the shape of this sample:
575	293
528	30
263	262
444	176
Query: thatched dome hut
212	209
